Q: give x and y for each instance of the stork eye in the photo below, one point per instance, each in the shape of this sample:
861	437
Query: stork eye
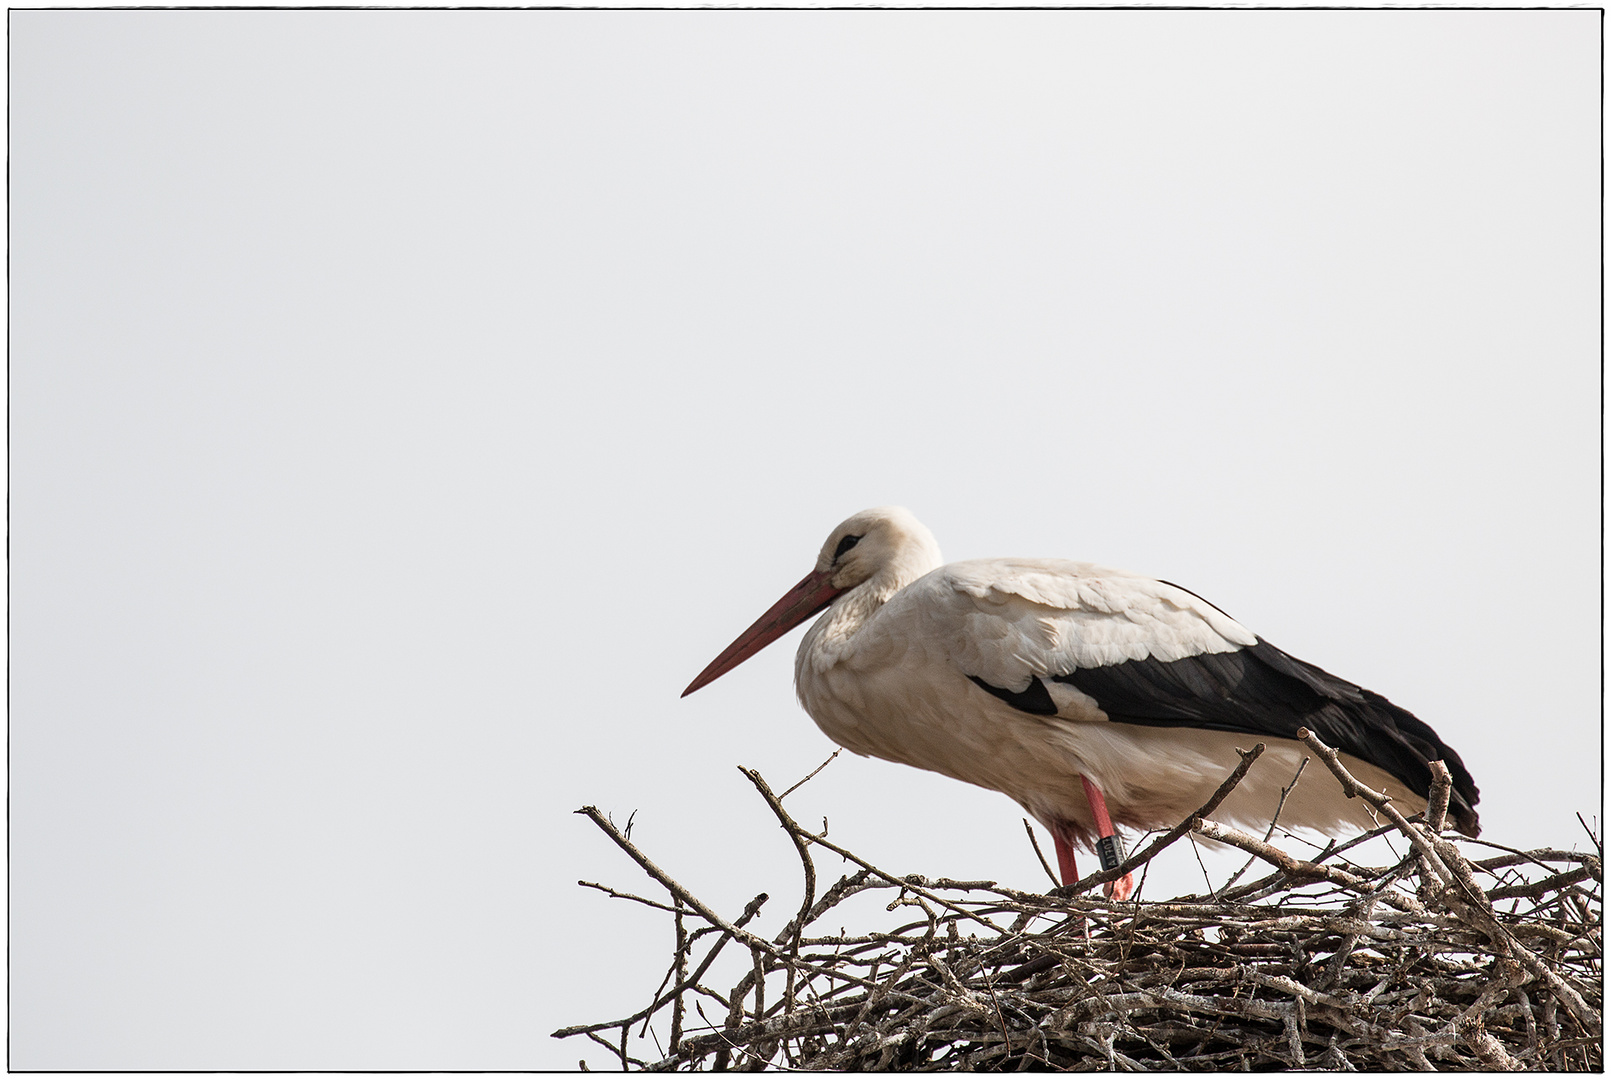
844	545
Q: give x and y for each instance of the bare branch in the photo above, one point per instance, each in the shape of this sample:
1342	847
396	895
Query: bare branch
1437	800
1274	819
664	878
810	774
801	847
1295	869
1044	865
624	895
1379	799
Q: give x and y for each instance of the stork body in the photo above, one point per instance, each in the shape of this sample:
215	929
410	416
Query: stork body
1080	692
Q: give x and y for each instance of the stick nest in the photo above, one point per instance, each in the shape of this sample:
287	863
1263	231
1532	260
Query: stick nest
1439	961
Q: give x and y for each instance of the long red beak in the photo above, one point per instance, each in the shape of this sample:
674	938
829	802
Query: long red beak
806	599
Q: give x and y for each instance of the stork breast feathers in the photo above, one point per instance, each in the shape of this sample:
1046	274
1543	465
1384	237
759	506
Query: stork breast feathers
1006	620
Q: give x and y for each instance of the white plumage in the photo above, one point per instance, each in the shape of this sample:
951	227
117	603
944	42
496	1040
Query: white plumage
1025	675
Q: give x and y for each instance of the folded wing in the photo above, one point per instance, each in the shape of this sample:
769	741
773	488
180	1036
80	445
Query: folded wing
1076	641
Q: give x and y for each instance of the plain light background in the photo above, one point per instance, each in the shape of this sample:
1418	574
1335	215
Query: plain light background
406	405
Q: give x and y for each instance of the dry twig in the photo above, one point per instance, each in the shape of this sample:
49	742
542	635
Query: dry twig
1408	966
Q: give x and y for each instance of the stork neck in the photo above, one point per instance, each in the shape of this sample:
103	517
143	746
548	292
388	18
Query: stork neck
851	610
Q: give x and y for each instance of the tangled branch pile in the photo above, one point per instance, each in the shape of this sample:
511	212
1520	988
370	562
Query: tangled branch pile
1439	961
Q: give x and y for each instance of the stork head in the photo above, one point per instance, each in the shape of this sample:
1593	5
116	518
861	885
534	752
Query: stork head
884	549
886	542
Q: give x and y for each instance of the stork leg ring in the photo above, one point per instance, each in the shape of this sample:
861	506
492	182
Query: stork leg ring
1109	848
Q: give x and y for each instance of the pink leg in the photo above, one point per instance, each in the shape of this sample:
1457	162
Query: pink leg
1065	859
1065	866
1108	843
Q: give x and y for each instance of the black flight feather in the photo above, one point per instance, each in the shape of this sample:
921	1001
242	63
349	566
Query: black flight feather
1260	690
1035	699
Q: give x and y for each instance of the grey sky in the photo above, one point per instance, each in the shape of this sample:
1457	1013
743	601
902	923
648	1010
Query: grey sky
405	406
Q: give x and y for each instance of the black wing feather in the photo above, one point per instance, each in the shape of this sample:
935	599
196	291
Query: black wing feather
1260	690
1036	699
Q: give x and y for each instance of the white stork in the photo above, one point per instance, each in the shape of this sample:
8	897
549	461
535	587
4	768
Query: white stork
1089	696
